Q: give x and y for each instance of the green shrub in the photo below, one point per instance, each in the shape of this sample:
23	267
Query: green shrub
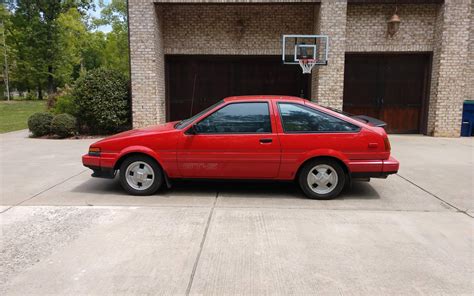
64	104
51	100
40	123
62	101
102	101
63	125
30	96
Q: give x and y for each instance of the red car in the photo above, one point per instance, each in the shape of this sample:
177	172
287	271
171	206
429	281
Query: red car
249	137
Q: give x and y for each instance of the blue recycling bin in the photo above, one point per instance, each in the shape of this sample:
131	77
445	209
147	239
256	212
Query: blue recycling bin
467	124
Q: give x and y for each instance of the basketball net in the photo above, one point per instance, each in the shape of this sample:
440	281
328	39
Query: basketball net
307	65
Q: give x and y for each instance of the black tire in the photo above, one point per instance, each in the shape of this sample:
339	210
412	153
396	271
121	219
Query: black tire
157	175
308	168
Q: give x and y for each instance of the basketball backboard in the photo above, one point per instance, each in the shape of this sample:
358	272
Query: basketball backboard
305	47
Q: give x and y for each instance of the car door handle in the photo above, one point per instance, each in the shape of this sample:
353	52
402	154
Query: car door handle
266	140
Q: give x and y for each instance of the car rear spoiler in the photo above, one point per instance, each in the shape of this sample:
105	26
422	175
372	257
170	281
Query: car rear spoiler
370	120
363	118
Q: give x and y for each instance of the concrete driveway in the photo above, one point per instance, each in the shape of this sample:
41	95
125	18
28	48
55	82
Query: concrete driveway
66	233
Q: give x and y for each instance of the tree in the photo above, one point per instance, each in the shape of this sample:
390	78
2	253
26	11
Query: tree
4	17
36	34
51	42
116	50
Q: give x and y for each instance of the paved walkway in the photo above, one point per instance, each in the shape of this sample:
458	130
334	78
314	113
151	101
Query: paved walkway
64	232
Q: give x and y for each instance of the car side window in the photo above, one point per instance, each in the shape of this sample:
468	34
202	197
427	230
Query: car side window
298	118
234	118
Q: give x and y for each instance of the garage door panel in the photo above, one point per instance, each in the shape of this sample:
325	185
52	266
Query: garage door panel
196	82
391	87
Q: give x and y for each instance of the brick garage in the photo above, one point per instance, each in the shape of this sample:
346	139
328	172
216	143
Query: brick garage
441	31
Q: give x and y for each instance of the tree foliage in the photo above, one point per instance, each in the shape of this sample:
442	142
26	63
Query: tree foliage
114	14
51	43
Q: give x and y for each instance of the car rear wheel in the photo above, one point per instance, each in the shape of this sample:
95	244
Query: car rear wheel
322	179
140	175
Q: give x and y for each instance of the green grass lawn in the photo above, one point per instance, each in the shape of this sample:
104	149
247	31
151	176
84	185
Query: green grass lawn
14	114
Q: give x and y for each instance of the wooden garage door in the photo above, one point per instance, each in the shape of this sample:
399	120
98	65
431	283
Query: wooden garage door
391	87
196	82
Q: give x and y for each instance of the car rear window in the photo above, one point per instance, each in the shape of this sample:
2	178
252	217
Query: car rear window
297	118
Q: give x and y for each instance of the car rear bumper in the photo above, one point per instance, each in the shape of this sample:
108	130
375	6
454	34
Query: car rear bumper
374	169
390	165
93	162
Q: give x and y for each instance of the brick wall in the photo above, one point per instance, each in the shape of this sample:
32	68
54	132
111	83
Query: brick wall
328	81
450	60
366	29
232	29
470	67
232	1
147	64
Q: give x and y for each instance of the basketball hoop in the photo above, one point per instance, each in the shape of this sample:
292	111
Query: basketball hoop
307	65
305	50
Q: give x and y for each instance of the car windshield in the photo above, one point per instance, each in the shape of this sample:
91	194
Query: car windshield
185	122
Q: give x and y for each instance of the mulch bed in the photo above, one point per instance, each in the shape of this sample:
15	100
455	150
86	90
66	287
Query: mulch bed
77	137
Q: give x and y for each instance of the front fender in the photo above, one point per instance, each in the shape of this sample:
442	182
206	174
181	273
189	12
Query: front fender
139	149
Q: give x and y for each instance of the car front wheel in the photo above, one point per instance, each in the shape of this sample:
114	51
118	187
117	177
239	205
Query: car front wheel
140	175
322	179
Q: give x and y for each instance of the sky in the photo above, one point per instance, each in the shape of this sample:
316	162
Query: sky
96	13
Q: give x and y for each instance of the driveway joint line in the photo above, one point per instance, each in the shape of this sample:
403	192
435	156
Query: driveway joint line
437	197
201	246
41	192
98	206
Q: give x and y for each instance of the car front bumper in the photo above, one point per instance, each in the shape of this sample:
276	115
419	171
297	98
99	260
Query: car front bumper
93	162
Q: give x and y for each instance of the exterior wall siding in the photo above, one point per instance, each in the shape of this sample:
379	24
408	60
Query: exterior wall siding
147	64
366	29
331	20
470	67
450	60
232	29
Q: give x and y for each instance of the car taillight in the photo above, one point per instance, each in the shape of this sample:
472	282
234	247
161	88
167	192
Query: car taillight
386	142
94	151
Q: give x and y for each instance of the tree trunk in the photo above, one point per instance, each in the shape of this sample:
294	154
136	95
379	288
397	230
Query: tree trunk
40	92
51	86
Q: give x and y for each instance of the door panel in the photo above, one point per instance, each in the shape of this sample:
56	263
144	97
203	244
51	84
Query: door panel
390	87
229	156
361	87
403	92
237	141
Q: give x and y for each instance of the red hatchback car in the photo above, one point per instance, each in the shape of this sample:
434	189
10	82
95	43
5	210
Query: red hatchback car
249	137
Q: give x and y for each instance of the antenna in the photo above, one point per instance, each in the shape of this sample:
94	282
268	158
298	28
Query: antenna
192	97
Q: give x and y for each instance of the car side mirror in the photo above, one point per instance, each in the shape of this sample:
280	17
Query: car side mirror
193	130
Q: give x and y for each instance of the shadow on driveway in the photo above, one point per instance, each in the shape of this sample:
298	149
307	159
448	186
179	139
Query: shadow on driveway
261	189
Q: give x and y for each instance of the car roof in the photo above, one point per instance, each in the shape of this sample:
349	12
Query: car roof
262	97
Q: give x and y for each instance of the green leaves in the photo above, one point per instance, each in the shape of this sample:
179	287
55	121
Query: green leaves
51	42
63	125
102	101
40	123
